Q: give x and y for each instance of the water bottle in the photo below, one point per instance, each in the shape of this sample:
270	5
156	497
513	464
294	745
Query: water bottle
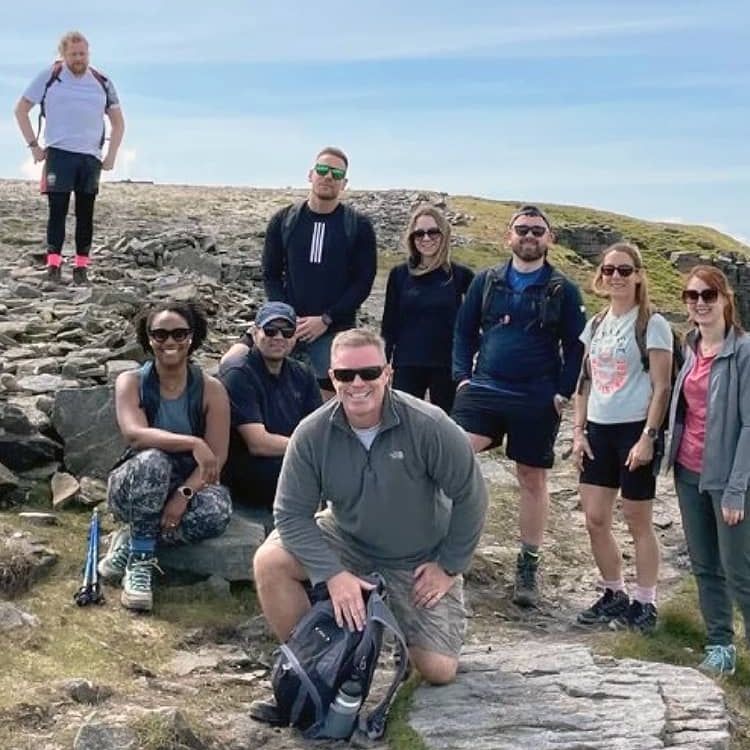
343	711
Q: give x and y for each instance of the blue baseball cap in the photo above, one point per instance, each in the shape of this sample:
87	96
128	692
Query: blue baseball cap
269	311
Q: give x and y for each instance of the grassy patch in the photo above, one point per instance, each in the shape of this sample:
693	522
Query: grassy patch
399	734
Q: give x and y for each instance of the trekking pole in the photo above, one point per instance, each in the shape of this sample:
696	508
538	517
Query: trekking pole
96	589
89	591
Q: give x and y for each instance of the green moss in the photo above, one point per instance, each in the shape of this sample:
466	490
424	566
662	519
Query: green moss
399	734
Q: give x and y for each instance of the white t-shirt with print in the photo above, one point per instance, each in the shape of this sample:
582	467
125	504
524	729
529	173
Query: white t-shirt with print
620	387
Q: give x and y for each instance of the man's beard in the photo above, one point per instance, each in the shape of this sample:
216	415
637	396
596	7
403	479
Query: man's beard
529	251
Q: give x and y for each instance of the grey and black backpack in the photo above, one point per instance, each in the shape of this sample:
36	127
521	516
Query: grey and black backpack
319	657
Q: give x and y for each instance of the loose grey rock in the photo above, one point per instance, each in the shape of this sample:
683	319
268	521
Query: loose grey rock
85	691
100	736
23	452
12	616
92	491
8	480
38	518
64	489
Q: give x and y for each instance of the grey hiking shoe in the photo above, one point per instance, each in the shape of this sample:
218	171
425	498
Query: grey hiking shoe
719	661
525	588
112	565
80	276
137	583
608	607
54	275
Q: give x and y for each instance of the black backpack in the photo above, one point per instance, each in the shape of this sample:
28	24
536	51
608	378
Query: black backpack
320	656
549	303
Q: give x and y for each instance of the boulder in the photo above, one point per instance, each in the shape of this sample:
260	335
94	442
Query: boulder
12	617
85	420
228	556
64	489
8	480
23	452
101	736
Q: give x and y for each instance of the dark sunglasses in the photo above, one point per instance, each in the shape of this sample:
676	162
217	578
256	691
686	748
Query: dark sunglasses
707	295
162	334
324	169
286	331
523	229
347	375
431	233
623	271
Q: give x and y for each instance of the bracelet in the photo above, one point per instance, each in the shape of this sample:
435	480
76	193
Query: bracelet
578	427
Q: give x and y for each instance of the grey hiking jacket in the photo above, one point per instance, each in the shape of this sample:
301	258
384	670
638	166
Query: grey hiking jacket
726	451
391	502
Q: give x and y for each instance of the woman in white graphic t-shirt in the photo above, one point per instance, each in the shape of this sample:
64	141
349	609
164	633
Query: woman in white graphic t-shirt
621	402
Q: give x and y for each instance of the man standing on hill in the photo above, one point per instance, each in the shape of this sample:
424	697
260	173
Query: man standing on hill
320	258
523	318
73	97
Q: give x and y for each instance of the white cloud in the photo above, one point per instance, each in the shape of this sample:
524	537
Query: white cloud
31	171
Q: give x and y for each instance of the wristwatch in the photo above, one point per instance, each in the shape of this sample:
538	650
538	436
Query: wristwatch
327	319
186	492
451	573
651	432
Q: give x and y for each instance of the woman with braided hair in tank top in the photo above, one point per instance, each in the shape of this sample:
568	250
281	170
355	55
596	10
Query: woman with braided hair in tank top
175	421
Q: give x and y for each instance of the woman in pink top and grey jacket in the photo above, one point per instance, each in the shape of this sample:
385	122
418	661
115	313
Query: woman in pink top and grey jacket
709	448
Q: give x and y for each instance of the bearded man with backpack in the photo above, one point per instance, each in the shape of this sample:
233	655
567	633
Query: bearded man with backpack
516	358
405	498
73	99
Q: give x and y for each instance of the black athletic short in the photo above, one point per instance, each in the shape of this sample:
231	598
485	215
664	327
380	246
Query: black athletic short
610	444
531	428
67	172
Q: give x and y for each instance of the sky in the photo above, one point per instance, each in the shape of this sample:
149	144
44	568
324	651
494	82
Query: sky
641	108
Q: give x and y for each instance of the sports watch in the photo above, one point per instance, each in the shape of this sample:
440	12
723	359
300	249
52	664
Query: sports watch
650	432
186	492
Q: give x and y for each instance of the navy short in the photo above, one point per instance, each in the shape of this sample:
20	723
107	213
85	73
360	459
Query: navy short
610	444
531	429
68	172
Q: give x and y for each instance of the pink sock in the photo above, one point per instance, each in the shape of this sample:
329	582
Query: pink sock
614	585
54	259
645	594
81	261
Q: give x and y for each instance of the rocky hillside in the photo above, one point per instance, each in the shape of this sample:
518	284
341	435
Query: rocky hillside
101	678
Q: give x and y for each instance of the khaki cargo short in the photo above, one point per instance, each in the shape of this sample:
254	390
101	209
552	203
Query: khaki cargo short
440	629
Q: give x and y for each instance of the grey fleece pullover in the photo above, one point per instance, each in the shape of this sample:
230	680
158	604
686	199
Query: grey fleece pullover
726	448
391	502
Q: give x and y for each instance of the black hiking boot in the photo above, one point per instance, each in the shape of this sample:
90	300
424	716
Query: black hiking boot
54	275
608	607
80	276
267	712
525	589
639	617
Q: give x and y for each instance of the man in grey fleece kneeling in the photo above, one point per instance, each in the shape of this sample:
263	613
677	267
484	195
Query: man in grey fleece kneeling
404	497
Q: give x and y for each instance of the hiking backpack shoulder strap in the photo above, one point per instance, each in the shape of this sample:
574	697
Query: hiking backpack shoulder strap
195	386
380	616
289	222
103	82
495	278
351	225
148	390
586	364
54	75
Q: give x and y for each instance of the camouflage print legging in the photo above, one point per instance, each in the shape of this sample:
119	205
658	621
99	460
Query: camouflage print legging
139	488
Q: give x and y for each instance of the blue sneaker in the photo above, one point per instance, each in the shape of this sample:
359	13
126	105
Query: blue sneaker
719	661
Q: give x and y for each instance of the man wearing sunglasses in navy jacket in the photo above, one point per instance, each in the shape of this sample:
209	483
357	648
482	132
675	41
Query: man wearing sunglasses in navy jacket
516	359
269	394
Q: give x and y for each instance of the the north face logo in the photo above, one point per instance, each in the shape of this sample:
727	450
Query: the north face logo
397	455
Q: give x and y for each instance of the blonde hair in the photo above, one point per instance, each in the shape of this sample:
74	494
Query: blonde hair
642	299
355	338
71	37
442	258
